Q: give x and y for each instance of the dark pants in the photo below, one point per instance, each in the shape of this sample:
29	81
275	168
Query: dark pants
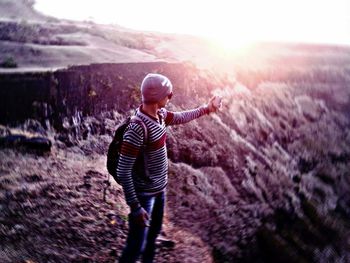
141	240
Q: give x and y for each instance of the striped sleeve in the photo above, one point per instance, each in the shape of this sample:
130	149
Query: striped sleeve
132	141
173	118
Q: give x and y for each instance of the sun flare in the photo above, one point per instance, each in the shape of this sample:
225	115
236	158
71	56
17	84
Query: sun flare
229	44
231	24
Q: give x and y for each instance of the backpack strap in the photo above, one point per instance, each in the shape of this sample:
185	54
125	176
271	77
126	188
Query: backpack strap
138	120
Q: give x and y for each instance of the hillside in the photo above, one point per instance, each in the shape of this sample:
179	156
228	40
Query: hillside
270	172
32	41
265	180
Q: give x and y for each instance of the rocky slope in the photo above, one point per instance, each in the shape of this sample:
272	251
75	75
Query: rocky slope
264	180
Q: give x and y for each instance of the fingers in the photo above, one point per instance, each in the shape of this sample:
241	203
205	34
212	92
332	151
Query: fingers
142	221
143	218
146	215
217	103
210	104
146	224
140	217
146	219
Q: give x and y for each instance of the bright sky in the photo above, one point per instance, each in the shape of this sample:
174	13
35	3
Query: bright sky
232	22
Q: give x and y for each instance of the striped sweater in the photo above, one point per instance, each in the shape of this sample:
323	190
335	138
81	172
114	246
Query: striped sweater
155	152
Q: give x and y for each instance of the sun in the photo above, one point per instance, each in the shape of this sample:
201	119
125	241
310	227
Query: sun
226	24
232	43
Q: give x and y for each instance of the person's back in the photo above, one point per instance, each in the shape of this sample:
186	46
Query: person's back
144	187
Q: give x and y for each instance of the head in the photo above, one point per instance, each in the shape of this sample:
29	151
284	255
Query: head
156	89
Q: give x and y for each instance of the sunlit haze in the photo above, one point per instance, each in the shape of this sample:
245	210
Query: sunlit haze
232	23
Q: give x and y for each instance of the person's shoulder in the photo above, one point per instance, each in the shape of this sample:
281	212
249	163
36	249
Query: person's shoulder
135	126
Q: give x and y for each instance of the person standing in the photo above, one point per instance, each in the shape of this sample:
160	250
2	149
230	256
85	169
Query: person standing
144	188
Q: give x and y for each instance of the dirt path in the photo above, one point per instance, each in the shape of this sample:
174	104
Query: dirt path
52	210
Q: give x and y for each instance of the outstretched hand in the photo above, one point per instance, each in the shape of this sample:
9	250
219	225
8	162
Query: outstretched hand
215	104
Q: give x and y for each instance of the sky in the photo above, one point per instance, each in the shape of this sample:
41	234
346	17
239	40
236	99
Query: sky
231	22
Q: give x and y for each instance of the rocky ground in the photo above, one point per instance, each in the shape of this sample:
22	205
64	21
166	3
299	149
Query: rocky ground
265	180
54	208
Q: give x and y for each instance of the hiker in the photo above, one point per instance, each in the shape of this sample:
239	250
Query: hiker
145	191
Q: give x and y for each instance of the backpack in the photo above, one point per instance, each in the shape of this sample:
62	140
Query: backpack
113	153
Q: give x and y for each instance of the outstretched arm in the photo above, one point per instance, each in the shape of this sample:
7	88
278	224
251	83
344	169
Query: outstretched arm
173	118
